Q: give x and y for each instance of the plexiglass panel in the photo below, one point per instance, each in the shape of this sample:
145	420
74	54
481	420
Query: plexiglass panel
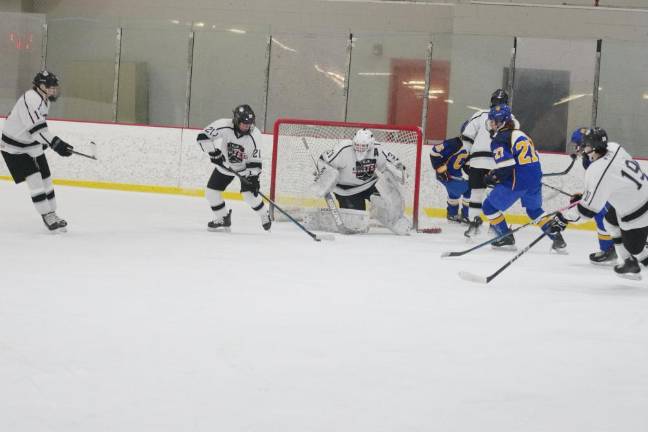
554	79
623	95
21	53
479	65
229	69
307	73
81	51
153	72
387	78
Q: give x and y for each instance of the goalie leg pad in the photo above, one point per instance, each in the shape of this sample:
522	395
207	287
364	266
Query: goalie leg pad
356	221
389	207
325	181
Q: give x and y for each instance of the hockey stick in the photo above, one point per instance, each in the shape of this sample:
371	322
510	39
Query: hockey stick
557	190
328	197
295	221
486	279
93	148
573	158
506	234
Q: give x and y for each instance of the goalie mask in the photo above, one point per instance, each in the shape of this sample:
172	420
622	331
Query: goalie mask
362	140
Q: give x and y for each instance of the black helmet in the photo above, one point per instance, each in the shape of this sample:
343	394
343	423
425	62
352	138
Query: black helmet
243	114
46	78
597	139
499	97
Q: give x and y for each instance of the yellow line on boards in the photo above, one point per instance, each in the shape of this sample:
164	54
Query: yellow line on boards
173	190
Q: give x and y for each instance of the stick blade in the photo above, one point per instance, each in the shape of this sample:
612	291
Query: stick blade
448	254
471	277
326	237
93	150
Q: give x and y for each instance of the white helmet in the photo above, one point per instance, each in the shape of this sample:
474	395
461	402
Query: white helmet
362	140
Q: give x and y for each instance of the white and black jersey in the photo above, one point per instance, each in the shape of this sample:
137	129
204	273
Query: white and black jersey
618	179
241	151
357	173
477	140
25	129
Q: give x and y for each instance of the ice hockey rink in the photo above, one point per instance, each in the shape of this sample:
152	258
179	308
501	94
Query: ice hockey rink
139	319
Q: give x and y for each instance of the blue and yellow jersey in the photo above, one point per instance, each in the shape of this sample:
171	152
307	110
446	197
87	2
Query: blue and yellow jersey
516	161
450	153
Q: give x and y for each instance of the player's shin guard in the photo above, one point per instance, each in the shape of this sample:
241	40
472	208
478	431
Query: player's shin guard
217	204
475	203
615	232
259	207
453	210
498	222
49	192
605	240
38	193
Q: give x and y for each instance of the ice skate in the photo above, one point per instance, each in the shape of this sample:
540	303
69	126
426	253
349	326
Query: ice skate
558	244
454	218
603	257
54	223
266	223
505	243
474	228
222	225
629	269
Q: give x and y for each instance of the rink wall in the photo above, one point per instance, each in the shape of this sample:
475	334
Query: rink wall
167	160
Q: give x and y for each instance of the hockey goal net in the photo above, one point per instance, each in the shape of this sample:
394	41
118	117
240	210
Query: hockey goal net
293	167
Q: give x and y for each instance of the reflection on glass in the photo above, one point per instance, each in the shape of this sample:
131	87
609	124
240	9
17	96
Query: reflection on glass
81	52
307	73
153	73
623	95
229	69
21	55
554	79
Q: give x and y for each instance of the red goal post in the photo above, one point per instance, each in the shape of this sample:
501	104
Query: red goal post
293	169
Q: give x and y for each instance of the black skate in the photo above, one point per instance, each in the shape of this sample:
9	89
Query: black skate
454	218
504	243
54	223
221	225
266	223
558	245
474	227
629	269
604	257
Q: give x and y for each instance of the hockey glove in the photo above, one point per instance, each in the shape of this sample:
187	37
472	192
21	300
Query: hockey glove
443	176
251	183
61	147
217	157
575	198
490	179
557	224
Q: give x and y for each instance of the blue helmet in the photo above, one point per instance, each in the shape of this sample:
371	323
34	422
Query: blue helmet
500	113
577	136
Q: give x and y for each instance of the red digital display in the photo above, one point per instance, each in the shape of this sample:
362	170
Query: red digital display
21	41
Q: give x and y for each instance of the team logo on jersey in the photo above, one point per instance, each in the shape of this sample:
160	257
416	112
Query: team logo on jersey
365	169
235	152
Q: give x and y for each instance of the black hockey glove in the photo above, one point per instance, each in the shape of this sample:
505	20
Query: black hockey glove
251	183
557	224
61	147
490	179
575	197
217	157
443	176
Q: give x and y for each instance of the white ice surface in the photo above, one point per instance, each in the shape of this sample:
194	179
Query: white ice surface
138	319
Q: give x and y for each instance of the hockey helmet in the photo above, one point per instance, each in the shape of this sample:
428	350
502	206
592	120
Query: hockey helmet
597	139
499	97
500	114
362	140
243	114
577	137
50	81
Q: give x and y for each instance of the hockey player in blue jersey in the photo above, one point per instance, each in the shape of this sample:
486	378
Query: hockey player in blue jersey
606	254
517	175
448	160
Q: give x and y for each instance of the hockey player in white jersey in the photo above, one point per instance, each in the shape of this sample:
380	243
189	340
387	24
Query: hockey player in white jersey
357	171
25	137
476	137
615	178
233	146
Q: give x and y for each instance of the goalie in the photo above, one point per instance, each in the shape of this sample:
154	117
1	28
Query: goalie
357	171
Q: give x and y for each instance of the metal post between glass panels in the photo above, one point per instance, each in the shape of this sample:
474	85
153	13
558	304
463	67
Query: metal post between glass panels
190	54
115	98
426	90
347	75
597	76
44	47
511	75
266	89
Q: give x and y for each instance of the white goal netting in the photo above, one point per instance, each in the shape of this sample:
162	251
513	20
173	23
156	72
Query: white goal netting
293	167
